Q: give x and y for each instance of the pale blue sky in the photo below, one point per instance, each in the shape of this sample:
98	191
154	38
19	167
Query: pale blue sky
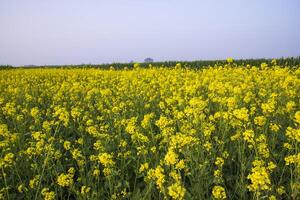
97	31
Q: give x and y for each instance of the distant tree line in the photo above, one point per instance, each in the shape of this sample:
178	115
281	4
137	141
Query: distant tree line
290	62
6	67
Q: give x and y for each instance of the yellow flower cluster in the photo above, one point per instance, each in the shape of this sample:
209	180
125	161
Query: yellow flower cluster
47	194
84	190
176	191
7	161
158	176
293	159
66	180
218	192
259	177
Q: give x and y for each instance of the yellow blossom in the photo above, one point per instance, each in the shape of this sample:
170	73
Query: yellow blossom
176	191
143	167
66	180
47	194
67	145
84	190
218	192
171	157
259	177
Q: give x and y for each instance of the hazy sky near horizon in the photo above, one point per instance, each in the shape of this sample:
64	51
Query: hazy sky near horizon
44	32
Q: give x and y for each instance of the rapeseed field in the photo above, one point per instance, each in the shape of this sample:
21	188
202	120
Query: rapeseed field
222	132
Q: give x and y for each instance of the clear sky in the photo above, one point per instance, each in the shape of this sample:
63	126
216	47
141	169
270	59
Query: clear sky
104	31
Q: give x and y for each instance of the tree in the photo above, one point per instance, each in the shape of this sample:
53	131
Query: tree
148	60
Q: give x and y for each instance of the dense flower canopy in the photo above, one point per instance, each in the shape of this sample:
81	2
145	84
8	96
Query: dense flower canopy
220	132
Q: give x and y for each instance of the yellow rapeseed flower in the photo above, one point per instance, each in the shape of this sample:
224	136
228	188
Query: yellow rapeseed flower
218	192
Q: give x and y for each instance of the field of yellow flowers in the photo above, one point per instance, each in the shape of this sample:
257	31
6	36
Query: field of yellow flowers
222	132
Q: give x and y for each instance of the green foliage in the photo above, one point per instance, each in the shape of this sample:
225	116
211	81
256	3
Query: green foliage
289	61
6	67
